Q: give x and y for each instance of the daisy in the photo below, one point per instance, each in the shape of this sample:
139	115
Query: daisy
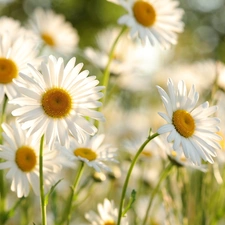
20	154
107	214
57	99
92	151
190	127
13	28
156	21
54	31
177	158
15	53
124	60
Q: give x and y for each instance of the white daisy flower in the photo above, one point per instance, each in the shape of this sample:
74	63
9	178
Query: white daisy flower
14	29
93	152
55	32
21	156
56	101
107	214
189	127
177	158
124	60
14	56
156	21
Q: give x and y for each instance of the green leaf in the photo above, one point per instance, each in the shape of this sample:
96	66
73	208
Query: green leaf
130	203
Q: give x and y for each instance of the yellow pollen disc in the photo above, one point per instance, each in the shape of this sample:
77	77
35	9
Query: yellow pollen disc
183	123
25	158
48	39
8	70
109	222
56	103
173	153
85	153
222	141
144	13
146	153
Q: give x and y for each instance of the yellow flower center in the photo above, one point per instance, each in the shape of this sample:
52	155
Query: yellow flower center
48	39
222	141
8	70
25	158
109	222
146	153
56	103
144	13
183	123
85	153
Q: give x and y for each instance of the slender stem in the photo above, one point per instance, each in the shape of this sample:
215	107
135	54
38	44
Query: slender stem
106	73
11	212
129	174
73	191
2	180
41	177
164	174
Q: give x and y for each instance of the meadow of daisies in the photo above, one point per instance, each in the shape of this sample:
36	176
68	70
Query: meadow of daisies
115	116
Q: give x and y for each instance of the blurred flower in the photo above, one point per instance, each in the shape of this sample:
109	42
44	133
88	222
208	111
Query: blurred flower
201	73
55	32
14	29
14	56
107	214
21	153
56	100
124	54
93	152
156	21
189	127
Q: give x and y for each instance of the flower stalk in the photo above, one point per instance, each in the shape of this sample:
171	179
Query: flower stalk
68	209
163	176
150	137
2	180
41	177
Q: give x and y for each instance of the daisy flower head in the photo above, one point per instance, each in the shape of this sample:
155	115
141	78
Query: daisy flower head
54	31
192	129
107	214
13	28
155	21
92	151
57	100
15	53
20	154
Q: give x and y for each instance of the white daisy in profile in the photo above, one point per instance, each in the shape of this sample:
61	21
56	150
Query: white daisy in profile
190	127
57	100
92	151
155	21
107	214
55	32
14	56
21	157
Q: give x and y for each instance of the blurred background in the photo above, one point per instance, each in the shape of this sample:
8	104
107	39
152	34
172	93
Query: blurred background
202	38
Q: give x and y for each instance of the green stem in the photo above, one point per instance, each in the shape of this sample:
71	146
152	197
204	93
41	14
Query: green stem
164	174
129	174
11	212
2	180
106	73
41	177
73	191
